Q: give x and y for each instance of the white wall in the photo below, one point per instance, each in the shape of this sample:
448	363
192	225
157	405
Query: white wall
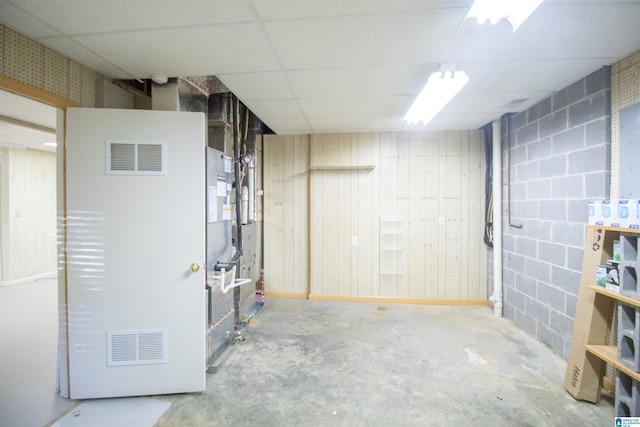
27	213
371	213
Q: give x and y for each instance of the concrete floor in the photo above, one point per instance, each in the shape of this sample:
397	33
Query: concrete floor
314	363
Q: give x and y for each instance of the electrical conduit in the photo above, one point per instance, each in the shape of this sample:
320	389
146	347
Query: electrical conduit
497	297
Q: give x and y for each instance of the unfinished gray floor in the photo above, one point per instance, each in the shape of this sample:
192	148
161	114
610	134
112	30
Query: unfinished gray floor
28	342
313	363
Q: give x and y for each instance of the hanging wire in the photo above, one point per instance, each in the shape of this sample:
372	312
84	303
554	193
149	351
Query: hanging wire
488	186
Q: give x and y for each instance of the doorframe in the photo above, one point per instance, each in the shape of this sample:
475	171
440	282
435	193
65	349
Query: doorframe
37	94
28	91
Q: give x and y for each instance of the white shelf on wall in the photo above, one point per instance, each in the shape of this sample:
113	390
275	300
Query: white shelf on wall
341	167
391	246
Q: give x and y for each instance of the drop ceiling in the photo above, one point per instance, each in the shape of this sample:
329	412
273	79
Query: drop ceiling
324	66
26	124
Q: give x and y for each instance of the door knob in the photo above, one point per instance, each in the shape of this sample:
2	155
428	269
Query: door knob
194	267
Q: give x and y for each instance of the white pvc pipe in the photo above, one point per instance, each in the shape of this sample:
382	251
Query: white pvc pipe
233	283
497	296
245	204
252	191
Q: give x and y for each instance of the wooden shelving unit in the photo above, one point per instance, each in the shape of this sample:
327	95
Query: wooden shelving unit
604	291
609	354
593	320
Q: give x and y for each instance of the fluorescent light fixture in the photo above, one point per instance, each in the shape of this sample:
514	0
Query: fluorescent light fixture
441	87
514	11
50	144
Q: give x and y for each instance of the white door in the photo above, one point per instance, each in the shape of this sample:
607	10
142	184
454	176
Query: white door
135	253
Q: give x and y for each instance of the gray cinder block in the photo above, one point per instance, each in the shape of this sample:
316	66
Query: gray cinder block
627	401
629	336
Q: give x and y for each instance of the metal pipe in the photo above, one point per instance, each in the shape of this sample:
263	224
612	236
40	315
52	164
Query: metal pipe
236	161
497	221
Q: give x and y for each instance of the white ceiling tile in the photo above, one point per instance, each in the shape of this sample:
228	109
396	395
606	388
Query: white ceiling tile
571	31
288	125
354	124
360	41
24	22
296	9
443	122
86	57
274	108
21	108
353	65
343	82
186	52
485	103
103	16
540	75
255	86
29	138
356	107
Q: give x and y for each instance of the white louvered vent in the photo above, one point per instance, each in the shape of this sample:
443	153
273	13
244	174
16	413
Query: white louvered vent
136	157
137	347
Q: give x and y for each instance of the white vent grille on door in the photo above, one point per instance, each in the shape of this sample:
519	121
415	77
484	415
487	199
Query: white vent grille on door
136	157
137	347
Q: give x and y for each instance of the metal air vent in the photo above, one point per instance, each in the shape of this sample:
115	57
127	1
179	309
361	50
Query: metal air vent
514	103
136	157
137	347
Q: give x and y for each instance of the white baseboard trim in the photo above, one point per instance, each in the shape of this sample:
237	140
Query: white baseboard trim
17	282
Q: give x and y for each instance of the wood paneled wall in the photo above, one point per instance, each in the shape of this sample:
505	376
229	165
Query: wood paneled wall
28	213
395	216
285	215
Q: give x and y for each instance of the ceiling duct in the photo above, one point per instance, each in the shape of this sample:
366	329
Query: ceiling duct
178	95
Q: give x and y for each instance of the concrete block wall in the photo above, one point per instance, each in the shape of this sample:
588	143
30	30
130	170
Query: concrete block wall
560	159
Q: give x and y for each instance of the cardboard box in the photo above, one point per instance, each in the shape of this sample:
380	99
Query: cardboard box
583	379
623	212
608	213
601	275
629	213
613	275
616	213
595	212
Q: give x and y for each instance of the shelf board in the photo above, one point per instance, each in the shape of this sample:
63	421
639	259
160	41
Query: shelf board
392	272
622	230
614	295
341	168
609	353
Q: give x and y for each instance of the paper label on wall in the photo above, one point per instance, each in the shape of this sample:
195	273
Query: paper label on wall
226	212
227	164
222	186
212	203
